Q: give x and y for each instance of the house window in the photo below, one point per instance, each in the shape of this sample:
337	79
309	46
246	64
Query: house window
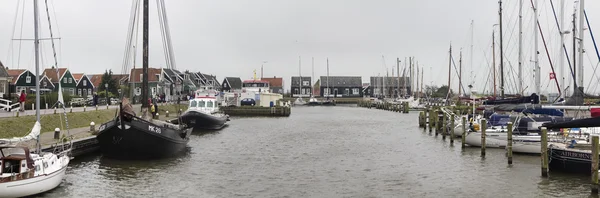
296	91
347	91
355	91
84	83
326	91
28	79
84	92
89	91
335	91
153	91
305	83
70	80
72	91
64	80
3	88
45	84
141	77
79	92
157	77
138	91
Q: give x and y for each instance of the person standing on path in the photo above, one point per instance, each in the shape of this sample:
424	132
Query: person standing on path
22	99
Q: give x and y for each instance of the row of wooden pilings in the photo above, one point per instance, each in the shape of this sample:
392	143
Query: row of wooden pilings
443	120
402	107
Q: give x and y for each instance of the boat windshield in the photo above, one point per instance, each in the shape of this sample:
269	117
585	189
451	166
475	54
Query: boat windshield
201	104
209	104
193	103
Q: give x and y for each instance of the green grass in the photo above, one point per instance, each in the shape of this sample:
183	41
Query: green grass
20	126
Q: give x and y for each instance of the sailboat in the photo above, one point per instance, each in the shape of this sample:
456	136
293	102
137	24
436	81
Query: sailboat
128	136
24	172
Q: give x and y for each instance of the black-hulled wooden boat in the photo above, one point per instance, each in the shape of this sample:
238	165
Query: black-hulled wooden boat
131	137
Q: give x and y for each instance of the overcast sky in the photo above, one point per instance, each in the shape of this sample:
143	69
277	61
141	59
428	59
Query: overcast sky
234	37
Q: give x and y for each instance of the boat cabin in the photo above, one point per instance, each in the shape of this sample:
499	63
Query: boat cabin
258	86
14	161
205	102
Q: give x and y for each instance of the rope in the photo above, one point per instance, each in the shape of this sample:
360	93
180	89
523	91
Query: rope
593	41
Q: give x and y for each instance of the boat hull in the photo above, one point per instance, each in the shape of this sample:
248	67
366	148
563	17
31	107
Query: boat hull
201	120
138	139
569	161
32	186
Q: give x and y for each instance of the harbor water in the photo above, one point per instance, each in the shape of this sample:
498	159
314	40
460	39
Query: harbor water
320	152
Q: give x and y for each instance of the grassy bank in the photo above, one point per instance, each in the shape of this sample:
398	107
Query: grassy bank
20	126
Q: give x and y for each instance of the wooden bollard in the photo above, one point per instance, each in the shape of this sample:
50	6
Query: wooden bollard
71	109
406	107
167	114
84	107
32	106
437	124
18	113
96	107
107	106
54	110
483	128
430	119
92	127
544	152
509	143
464	132
452	129
594	165
444	125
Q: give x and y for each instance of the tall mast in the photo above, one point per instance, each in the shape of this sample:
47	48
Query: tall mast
501	53
581	37
460	73
561	64
383	91
449	67
313	76
520	74
412	80
410	76
328	91
417	88
574	51
422	74
535	43
470	53
36	42
144	101
494	60
398	71
300	75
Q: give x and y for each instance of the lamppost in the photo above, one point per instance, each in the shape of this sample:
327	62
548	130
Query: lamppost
106	92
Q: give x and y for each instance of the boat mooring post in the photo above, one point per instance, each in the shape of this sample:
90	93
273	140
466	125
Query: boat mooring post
464	132
509	143
430	119
437	123
483	128
544	152
405	107
421	115
444	125
451	129
595	165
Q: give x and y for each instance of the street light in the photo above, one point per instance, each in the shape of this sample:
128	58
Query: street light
106	92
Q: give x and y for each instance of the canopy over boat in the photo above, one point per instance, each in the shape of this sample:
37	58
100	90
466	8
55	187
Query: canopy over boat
529	109
579	123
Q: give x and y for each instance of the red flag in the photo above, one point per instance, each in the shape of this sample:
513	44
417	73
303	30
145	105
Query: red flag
552	75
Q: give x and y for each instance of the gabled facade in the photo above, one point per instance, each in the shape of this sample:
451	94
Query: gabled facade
64	77
301	87
85	87
46	85
22	79
135	80
275	84
209	81
5	80
341	86
231	84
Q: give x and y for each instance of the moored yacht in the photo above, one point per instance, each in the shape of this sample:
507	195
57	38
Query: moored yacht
203	112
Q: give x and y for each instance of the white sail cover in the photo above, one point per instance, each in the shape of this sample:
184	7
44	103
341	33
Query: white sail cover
35	132
60	94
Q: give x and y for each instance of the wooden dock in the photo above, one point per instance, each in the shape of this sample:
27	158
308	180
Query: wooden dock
278	111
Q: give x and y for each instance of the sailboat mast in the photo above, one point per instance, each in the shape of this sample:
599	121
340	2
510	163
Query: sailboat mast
535	43
312	76
470	54
501	53
36	43
460	73
520	72
300	74
561	64
398	71
417	88
410	72
494	60
449	67
581	37
574	51
328	91
145	35
422	74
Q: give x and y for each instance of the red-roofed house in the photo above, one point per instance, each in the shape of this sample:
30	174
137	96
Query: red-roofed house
66	79
275	84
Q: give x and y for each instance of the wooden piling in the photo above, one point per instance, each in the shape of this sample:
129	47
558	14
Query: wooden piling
444	125
594	165
464	132
430	119
483	128
451	129
405	107
437	123
421	116
544	152
509	143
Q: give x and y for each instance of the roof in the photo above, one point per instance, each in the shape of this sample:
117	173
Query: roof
377	81
173	72
274	82
3	72
77	77
15	73
208	77
95	79
295	80
52	75
120	77
234	82
342	81
153	75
